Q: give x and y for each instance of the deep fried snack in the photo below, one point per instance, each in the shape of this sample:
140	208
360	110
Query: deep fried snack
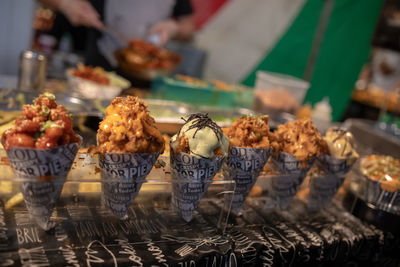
148	56
128	128
200	136
42	125
250	131
299	138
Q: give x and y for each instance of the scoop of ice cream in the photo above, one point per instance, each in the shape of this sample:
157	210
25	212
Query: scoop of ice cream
128	128
341	144
200	136
249	131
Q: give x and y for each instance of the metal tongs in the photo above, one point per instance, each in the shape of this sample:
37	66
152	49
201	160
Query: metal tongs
110	42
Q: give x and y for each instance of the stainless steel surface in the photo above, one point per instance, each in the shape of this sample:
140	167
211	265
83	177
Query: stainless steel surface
168	114
14	99
370	140
32	71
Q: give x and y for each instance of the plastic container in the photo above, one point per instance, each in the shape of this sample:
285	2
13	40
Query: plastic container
322	115
91	90
276	81
379	194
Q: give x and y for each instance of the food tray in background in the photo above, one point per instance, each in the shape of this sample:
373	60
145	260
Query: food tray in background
168	114
89	89
364	201
145	61
206	94
372	141
13	100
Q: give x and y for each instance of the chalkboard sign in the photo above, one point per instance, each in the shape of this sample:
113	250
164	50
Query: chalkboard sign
88	235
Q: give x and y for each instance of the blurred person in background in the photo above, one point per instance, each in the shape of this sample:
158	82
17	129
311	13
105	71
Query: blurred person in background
163	19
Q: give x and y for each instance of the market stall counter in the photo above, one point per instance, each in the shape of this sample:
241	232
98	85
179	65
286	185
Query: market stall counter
140	208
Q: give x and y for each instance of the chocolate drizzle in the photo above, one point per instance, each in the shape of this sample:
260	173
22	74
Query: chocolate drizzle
201	121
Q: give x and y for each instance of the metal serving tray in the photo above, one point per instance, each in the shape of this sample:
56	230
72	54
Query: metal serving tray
370	140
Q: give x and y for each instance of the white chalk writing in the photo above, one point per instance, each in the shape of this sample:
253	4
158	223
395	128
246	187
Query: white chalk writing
191	263
86	229
60	233
33	257
129	250
141	226
219	261
69	256
93	256
156	251
28	235
22	217
4	261
3	229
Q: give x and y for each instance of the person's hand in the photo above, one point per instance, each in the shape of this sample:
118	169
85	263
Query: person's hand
81	13
165	29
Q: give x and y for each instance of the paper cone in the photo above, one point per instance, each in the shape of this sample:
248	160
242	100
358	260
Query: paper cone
284	186
45	171
191	177
281	190
123	175
322	190
324	187
243	165
287	164
332	165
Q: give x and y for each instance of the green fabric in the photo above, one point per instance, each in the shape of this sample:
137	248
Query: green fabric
344	50
290	54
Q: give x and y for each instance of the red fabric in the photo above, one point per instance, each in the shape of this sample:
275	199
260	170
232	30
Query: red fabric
205	9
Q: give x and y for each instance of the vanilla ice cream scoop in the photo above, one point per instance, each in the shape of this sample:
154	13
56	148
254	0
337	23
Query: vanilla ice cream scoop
201	137
341	144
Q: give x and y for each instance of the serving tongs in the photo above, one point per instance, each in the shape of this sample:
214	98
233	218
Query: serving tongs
110	42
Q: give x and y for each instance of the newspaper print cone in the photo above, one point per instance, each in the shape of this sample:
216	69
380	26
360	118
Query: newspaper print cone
191	177
286	163
324	188
44	172
334	166
284	186
244	165
123	175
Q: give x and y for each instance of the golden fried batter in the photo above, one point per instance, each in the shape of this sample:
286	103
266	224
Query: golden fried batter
251	131
129	128
299	138
183	145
